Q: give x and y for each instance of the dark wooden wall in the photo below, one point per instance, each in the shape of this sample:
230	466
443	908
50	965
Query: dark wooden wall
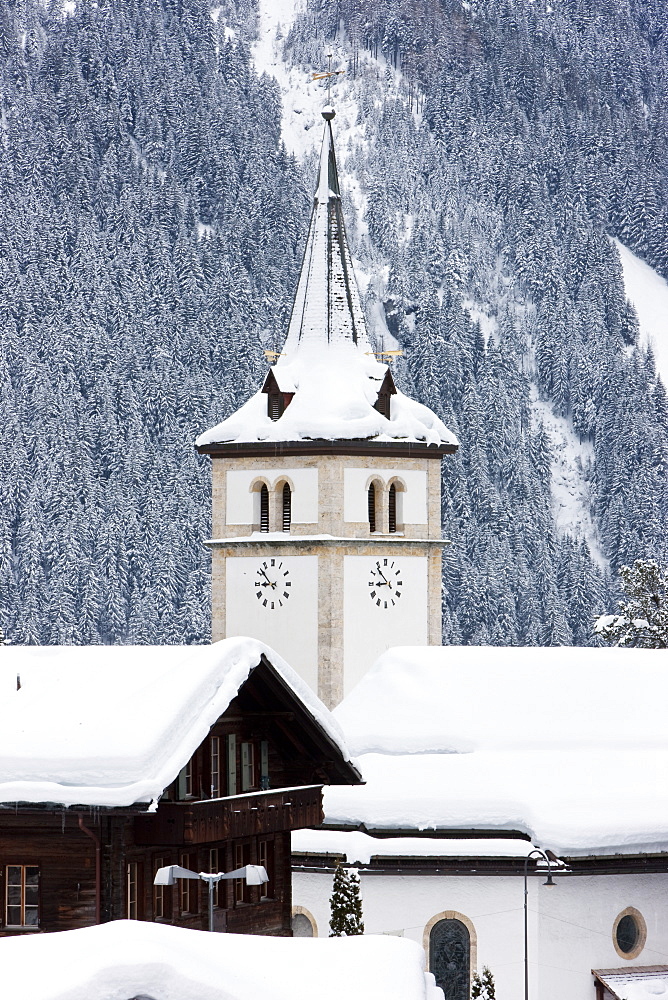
65	856
66	859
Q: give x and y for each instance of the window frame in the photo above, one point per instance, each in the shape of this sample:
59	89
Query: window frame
189	887
160	893
242	857
266	852
134	908
372	511
23	886
215	775
286	507
248	766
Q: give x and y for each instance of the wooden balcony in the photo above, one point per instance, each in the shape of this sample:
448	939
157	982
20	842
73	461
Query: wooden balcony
209	820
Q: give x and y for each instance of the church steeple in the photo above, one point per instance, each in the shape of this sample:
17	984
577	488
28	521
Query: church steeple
326	517
327	308
327	384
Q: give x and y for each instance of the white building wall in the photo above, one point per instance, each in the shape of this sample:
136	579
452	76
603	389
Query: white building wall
304	495
369	630
292	630
570	925
413	499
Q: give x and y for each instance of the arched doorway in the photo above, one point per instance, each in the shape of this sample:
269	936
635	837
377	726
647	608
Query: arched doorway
450	958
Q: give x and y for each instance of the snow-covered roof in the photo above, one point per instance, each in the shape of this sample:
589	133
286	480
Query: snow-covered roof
328	361
133	958
113	725
567	745
644	983
359	848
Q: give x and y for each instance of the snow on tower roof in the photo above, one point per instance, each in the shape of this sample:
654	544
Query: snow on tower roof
566	745
328	360
114	725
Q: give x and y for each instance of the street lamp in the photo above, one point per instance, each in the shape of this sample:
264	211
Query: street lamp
549	882
253	874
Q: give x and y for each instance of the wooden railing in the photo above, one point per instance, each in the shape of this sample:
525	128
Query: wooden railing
209	820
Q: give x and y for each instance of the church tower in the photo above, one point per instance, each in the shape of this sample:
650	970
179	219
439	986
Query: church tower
327	485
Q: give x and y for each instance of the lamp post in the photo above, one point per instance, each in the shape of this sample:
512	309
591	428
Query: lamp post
253	874
549	882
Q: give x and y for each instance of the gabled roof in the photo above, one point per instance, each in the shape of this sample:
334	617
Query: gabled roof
113	725
565	745
328	360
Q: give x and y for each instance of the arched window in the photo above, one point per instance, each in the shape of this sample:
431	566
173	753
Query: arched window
372	507
301	926
392	508
287	507
450	958
264	508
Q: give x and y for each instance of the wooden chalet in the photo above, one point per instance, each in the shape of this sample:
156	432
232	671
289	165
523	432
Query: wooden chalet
73	854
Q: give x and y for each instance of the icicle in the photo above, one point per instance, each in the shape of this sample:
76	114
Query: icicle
18	682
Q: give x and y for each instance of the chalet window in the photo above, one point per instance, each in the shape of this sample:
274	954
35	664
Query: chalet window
231	764
266	859
186	780
189	887
22	896
264	765
264	508
133	890
214	866
160	892
372	507
242	857
392	508
215	766
247	767
287	507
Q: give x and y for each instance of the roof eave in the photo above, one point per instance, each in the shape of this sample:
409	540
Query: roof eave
315	446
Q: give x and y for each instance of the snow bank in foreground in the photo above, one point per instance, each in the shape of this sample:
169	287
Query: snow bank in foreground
113	725
127	958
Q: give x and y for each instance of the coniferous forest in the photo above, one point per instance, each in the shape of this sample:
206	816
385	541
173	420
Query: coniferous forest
151	225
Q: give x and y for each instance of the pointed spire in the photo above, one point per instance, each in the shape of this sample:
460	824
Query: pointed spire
327	308
326	385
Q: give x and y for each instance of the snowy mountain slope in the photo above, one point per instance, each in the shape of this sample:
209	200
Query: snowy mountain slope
572	461
647	291
152	225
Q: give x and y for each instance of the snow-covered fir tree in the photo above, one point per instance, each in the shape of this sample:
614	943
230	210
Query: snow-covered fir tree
482	985
345	904
642	620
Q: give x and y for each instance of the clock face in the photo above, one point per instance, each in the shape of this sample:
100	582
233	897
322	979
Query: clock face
272	584
385	583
